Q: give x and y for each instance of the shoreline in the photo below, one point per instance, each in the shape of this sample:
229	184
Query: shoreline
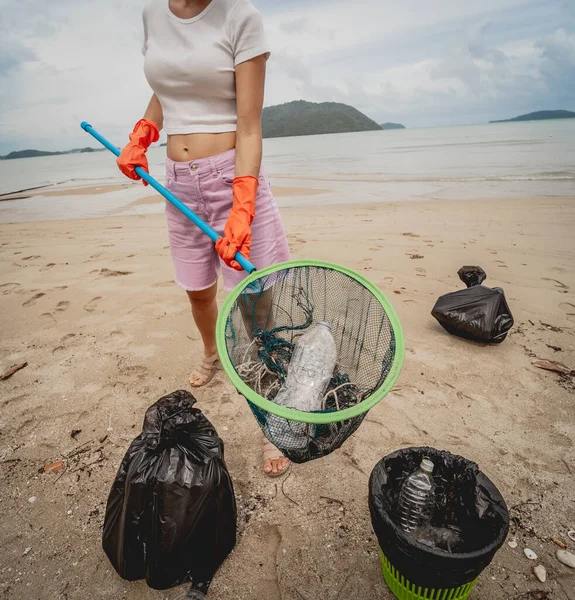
288	199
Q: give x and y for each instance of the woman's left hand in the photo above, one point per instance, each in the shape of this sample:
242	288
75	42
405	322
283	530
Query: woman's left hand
237	232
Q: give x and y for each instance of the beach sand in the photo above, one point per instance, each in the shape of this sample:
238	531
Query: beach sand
52	191
92	308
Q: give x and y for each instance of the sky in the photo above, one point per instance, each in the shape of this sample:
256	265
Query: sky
418	62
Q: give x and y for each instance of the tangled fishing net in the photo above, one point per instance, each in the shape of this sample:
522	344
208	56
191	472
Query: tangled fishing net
260	325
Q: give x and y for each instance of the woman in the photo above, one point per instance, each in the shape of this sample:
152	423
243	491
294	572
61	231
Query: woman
205	62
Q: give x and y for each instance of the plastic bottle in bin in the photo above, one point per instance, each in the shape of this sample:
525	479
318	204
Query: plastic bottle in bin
417	498
309	373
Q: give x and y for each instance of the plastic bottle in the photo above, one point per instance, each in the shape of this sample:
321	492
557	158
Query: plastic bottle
417	498
189	594
310	370
309	373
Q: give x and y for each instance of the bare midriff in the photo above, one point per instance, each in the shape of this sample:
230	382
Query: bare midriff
193	146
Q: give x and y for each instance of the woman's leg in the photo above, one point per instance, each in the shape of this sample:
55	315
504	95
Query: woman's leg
205	313
269	245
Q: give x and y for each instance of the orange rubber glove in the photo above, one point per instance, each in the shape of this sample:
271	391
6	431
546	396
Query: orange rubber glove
237	232
134	153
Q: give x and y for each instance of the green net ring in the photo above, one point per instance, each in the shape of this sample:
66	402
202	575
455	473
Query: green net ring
318	418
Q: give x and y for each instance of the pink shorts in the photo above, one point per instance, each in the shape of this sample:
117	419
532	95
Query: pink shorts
205	186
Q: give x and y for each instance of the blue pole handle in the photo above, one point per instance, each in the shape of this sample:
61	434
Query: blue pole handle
209	231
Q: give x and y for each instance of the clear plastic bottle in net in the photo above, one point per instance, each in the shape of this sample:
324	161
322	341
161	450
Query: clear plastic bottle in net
310	370
417	498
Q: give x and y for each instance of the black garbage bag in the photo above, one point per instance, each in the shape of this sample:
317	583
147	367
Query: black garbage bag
478	313
465	500
171	512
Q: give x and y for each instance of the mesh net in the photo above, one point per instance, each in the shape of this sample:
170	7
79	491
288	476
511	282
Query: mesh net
266	320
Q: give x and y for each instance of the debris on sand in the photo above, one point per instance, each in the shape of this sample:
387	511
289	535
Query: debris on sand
12	370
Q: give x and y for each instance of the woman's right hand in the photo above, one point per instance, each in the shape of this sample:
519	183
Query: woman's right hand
133	154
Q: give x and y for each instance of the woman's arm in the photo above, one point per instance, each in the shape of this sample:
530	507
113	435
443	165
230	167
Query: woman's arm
154	112
250	83
250	79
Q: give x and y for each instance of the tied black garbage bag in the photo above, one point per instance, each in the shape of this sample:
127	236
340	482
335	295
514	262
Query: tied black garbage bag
478	313
171	512
465	501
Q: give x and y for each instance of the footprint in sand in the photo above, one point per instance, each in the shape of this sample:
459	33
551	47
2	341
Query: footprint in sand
116	335
225	407
296	238
421	272
34	299
48	318
32	257
25	425
64	343
557	283
8	288
163	284
501	264
120	259
62	306
569	310
48	266
135	371
93	304
17	399
492	251
109	273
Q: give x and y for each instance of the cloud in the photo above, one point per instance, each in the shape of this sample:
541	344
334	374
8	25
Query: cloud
417	62
557	53
12	55
85	66
484	67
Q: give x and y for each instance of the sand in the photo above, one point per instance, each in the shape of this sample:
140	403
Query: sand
279	191
54	191
91	306
59	191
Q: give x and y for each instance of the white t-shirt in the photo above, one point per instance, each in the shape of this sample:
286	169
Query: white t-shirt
190	63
